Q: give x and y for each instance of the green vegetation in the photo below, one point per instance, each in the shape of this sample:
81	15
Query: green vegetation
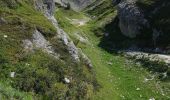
119	77
7	92
38	74
41	76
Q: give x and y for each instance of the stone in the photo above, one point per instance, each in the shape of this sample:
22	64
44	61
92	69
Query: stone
2	21
137	89
66	80
152	99
5	36
106	34
73	51
76	5
131	19
40	42
12	74
109	63
28	45
115	2
86	60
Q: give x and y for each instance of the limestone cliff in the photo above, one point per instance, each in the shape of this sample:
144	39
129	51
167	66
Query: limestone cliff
131	19
76	5
144	20
38	56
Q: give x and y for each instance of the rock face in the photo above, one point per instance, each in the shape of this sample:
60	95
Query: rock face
2	21
39	42
131	19
48	7
115	2
76	5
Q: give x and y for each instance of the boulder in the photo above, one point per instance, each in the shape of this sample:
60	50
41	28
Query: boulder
2	21
131	19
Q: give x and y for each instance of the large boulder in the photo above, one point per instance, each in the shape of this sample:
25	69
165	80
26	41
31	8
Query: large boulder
131	19
46	6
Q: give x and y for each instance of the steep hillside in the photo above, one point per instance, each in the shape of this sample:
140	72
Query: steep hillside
76	5
37	58
74	50
119	77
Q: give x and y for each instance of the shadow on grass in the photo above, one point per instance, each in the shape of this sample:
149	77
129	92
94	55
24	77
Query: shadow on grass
113	42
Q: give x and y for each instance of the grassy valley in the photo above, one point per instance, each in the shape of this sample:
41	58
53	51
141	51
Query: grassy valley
34	74
119	77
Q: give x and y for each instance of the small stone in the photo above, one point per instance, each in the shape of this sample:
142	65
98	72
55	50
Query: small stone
152	99
12	74
66	80
2	21
27	64
137	89
122	96
106	34
5	36
109	63
140	96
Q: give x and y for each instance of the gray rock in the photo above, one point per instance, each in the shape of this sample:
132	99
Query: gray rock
40	42
48	7
73	51
115	2
12	74
2	21
76	5
155	36
86	60
28	45
45	6
131	19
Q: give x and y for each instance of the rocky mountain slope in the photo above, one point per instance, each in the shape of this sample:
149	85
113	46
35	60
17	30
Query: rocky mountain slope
84	50
76	5
145	21
38	57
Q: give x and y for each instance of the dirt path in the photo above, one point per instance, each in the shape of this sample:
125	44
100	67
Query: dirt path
78	22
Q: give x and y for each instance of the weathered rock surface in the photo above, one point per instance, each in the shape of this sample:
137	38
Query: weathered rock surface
39	42
48	7
131	19
151	57
76	5
2	21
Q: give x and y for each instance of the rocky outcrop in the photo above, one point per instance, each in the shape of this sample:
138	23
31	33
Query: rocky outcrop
151	57
2	21
45	6
76	5
39	42
48	7
64	37
115	2
154	62
131	19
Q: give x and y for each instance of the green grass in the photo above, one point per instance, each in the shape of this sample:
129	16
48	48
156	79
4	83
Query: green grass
131	77
38	72
121	79
7	92
40	75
